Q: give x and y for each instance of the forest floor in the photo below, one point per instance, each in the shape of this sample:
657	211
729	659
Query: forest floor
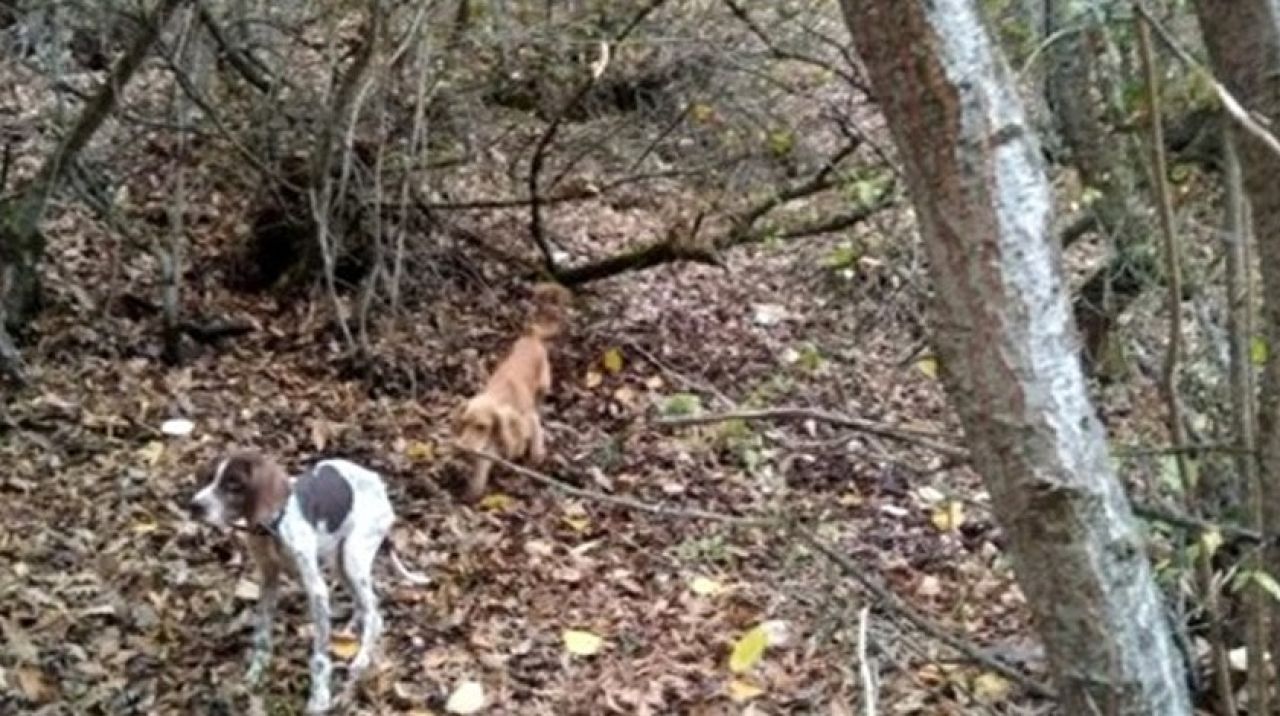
115	602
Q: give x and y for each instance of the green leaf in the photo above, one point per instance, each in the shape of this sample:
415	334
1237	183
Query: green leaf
843	256
781	142
1258	350
1169	474
1268	584
681	404
748	650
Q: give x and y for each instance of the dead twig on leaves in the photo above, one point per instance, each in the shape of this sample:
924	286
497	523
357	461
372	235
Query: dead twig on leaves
923	438
787	525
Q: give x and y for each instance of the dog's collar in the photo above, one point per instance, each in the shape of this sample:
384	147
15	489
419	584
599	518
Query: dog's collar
271	527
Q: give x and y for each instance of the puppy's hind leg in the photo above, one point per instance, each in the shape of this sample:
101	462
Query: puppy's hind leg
537	440
358	552
304	556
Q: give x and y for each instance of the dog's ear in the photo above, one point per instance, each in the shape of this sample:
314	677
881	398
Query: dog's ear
458	415
266	485
511	432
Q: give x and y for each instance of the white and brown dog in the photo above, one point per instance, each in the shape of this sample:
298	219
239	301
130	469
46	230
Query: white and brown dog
337	511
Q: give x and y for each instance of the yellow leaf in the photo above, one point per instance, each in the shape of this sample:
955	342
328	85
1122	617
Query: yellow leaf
612	360
581	643
145	526
850	499
748	650
577	524
928	366
497	502
467	698
653	382
152	452
949	517
990	687
741	691
705	586
343	645
419	451
1211	540
702	113
593	379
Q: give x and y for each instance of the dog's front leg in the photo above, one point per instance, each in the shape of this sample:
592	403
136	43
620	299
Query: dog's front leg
479	478
318	598
269	580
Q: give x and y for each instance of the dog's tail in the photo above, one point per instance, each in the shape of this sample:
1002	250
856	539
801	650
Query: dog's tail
550	304
415	578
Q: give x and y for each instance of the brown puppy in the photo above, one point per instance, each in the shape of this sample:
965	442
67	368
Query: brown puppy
503	418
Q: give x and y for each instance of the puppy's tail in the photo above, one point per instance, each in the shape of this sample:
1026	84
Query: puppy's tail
550	304
415	578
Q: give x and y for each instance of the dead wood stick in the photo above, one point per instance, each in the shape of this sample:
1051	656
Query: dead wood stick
887	597
923	438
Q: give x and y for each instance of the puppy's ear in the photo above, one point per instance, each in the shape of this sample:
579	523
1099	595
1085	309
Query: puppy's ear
511	433
457	416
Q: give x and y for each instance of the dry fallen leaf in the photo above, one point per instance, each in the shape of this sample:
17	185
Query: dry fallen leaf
31	682
343	645
581	643
593	379
741	691
989	687
247	590
467	698
497	502
705	586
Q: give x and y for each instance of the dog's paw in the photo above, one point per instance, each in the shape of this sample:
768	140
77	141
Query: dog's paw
253	675
319	703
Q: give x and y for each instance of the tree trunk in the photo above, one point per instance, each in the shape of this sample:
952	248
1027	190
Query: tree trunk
21	243
1083	96
1243	40
1010	354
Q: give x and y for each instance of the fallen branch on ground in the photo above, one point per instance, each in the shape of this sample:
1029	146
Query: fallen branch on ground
888	599
922	438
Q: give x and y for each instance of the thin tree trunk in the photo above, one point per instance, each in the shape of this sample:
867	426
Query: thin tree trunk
1010	354
1243	40
21	244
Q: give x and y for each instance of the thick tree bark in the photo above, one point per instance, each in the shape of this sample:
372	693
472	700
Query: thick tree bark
1010	354
1243	39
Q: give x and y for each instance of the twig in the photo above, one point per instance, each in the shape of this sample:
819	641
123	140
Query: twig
627	502
536	230
922	438
887	597
1246	119
1172	364
864	667
244	63
1156	513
